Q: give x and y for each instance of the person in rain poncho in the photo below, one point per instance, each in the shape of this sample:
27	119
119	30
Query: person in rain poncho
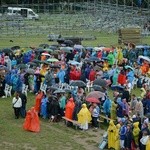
117	141
62	104
43	111
107	106
143	93
136	131
32	122
69	108
115	76
139	107
113	111
84	117
119	56
111	58
38	100
111	134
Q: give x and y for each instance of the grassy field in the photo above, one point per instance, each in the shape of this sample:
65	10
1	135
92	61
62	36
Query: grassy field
52	135
34	40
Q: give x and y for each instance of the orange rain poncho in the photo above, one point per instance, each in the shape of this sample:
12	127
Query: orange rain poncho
69	108
84	115
38	99
32	122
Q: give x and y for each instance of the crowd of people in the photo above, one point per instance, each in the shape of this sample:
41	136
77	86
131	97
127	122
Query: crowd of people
119	69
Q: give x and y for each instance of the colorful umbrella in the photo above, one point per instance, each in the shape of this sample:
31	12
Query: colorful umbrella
92	100
129	67
95	94
46	54
145	58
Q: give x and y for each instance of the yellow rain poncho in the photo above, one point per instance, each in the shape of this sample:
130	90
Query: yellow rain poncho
113	112
117	137
143	92
148	144
84	115
136	132
111	134
119	55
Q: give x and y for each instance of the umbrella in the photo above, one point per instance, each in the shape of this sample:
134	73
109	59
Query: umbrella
92	100
48	50
73	62
44	45
46	54
98	48
98	88
78	83
68	42
36	61
117	87
145	58
52	60
95	94
89	48
6	50
54	66
22	66
78	46
59	91
30	71
52	88
100	82
15	47
92	59
32	64
66	49
129	67
39	50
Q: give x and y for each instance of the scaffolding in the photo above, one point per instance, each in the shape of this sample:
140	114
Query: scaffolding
71	15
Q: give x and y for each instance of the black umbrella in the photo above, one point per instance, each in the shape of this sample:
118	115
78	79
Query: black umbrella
32	64
117	87
7	50
98	88
78	83
22	66
44	45
68	43
39	50
15	47
54	47
100	82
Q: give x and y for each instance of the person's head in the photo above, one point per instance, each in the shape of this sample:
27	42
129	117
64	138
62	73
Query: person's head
128	127
16	94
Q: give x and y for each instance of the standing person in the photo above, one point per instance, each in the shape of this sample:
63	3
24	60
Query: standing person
139	107
122	133
117	142
32	122
111	134
24	102
62	103
128	138
95	115
136	132
133	104
84	117
17	104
